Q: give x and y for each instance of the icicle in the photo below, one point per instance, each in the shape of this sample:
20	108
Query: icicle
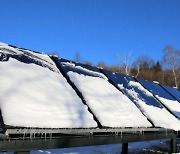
24	134
50	136
45	135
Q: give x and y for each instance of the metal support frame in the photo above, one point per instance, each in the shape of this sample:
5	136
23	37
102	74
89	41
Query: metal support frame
124	148
64	141
173	147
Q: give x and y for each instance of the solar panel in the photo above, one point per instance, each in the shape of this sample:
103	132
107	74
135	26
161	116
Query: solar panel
26	56
150	106
173	91
37	100
162	95
109	105
32	95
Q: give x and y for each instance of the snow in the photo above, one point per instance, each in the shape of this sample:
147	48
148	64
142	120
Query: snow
173	105
40	57
154	146
34	96
153	110
110	106
95	73
141	88
166	99
160	116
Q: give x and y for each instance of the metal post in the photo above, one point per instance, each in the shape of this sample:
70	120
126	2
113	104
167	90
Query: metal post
173	145
125	148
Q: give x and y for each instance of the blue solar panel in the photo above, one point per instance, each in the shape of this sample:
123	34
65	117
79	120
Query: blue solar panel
162	95
101	96
125	82
26	57
80	68
173	91
144	100
156	90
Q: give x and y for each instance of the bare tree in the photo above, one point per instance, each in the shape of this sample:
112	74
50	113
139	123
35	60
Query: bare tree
171	59
125	61
143	63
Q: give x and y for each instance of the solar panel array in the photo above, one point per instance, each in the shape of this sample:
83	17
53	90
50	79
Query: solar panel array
144	100
111	107
58	93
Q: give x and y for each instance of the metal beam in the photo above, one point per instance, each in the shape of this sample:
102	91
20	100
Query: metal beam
77	141
84	131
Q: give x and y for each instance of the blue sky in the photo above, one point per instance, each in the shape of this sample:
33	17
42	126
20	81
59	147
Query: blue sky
98	29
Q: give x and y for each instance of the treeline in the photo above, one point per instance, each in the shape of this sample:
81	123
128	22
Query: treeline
165	71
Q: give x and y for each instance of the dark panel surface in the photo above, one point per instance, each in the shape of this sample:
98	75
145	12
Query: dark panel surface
173	91
144	100
155	89
101	96
127	84
163	96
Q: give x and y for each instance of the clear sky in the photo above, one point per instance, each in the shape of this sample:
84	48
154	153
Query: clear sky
98	29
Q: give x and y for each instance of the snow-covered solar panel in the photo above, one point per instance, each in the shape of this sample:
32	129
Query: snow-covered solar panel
173	91
34	93
110	106
26	56
150	106
169	101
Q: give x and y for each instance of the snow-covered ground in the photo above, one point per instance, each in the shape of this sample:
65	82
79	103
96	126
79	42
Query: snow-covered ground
156	146
150	147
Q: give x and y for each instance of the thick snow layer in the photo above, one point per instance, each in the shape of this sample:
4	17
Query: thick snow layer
153	110
94	73
34	96
170	102
159	115
110	106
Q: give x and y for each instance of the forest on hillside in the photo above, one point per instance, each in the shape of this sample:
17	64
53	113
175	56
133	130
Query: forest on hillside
165	71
